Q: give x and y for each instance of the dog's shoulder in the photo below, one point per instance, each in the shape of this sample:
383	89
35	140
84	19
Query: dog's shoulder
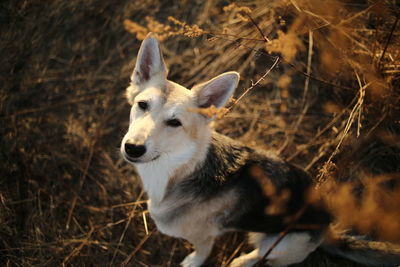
230	163
235	160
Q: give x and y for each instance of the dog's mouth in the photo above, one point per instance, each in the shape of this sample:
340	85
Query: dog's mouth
138	160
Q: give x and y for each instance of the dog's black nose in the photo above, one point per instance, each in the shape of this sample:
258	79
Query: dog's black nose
134	151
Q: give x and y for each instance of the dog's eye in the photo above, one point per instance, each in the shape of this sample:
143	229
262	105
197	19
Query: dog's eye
173	123
143	105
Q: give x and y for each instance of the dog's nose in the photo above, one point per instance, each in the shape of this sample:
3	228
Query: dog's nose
134	151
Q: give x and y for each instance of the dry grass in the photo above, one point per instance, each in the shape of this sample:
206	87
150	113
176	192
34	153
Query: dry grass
329	105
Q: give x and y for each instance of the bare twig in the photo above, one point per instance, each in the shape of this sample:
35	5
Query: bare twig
309	61
258	28
134	203
233	255
388	39
126	228
76	250
282	235
254	84
359	13
172	253
136	249
352	117
81	182
145	222
281	59
326	128
48	107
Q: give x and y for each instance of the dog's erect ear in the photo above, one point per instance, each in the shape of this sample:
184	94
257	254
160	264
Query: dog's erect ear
216	91
150	62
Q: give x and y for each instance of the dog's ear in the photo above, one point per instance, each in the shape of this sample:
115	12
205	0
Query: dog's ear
150	63
216	91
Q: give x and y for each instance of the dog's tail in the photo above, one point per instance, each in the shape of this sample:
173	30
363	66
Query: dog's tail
364	251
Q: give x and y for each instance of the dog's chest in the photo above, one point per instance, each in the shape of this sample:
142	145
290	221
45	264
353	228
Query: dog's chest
192	219
187	222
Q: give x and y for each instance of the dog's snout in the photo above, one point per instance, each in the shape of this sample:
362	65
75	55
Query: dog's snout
134	151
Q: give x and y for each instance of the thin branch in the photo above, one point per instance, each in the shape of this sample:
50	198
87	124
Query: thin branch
81	182
282	235
325	128
281	59
353	114
76	250
136	249
309	61
231	257
258	28
359	13
131	214
48	107
307	75
388	39
254	84
145	223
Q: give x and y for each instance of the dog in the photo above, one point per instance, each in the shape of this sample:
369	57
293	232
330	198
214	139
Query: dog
201	184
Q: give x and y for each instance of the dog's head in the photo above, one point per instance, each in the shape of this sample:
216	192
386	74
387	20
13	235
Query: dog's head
161	123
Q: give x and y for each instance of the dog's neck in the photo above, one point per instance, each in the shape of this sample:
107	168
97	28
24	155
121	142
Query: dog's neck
224	158
159	175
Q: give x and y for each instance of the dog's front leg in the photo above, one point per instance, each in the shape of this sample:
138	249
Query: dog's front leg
200	254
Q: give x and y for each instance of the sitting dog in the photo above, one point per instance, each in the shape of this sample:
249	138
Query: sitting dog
201	184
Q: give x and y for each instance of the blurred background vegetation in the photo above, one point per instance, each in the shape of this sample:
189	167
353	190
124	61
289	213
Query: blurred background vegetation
323	80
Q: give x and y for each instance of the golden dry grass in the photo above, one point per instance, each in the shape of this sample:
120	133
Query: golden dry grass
329	104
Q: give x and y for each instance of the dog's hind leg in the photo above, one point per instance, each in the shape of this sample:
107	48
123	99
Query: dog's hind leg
200	254
249	259
293	248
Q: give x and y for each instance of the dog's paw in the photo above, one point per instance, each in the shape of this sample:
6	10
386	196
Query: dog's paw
246	260
238	262
193	260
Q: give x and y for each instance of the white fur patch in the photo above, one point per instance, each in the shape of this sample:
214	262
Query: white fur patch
155	174
293	248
